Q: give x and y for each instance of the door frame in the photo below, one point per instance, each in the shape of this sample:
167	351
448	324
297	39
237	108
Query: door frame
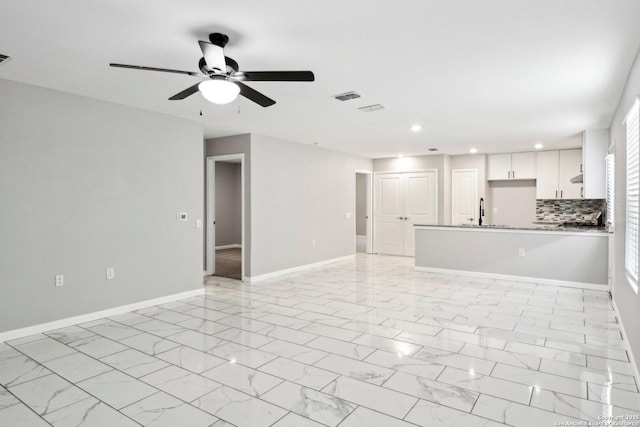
369	207
386	172
211	209
475	192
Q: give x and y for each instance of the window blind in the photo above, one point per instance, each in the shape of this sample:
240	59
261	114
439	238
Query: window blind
610	188
631	234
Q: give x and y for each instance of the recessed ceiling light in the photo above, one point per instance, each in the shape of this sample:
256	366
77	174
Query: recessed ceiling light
538	146
416	128
473	150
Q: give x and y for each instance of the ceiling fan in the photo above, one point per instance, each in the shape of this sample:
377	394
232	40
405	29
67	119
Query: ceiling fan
224	79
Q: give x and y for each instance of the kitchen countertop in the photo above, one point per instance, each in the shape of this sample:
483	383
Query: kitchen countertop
545	227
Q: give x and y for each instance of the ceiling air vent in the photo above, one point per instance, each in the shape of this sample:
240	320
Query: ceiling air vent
347	96
370	108
4	58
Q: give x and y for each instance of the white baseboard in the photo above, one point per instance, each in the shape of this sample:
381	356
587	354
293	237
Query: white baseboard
253	279
542	281
69	321
233	246
634	365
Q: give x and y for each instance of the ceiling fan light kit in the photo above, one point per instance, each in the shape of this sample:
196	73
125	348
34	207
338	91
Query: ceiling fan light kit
225	81
219	91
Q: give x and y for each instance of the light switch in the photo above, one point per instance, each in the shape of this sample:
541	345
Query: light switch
347	215
198	223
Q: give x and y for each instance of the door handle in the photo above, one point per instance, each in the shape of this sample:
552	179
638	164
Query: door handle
470	219
400	218
513	174
405	218
561	194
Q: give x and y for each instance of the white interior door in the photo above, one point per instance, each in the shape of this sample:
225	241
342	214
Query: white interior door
389	200
420	205
464	196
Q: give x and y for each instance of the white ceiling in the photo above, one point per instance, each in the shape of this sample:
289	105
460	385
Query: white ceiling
499	75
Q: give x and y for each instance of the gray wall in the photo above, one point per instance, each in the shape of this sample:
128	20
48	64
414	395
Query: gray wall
556	256
626	300
361	204
300	193
236	144
512	202
228	204
86	185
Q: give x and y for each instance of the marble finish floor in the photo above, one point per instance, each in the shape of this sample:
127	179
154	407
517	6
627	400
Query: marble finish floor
368	342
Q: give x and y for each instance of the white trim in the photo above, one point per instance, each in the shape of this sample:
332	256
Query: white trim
232	246
210	203
405	171
634	365
253	279
536	280
369	208
70	321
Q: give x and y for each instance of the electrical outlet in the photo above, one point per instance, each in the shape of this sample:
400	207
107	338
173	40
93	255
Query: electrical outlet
521	252
59	280
347	215
182	216
111	273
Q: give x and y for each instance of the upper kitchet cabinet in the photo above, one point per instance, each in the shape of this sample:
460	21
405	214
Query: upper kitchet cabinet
511	166
595	145
554	173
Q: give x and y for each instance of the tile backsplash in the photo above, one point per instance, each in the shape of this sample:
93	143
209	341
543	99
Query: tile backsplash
559	211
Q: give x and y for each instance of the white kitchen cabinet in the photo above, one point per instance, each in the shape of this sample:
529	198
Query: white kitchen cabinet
554	170
570	166
523	166
511	166
547	168
595	144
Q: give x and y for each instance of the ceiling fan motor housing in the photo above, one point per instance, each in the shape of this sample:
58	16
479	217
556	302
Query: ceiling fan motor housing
219	39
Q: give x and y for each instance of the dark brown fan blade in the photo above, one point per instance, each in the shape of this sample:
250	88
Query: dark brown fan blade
254	95
163	70
276	76
185	93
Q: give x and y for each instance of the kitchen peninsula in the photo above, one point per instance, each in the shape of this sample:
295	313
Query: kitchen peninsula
542	254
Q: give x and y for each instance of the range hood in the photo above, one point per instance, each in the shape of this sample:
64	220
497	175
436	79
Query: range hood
576	179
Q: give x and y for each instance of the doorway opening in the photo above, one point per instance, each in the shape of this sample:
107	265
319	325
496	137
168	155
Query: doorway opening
363	213
225	246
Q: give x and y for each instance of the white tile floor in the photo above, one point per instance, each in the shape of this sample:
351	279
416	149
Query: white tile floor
368	342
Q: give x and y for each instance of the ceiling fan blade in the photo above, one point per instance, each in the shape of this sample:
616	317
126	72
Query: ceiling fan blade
276	76
213	56
164	70
185	93
254	95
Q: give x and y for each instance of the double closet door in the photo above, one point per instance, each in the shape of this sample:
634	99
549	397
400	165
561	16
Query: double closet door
402	200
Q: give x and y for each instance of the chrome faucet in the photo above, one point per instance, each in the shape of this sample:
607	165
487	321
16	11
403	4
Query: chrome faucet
481	213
